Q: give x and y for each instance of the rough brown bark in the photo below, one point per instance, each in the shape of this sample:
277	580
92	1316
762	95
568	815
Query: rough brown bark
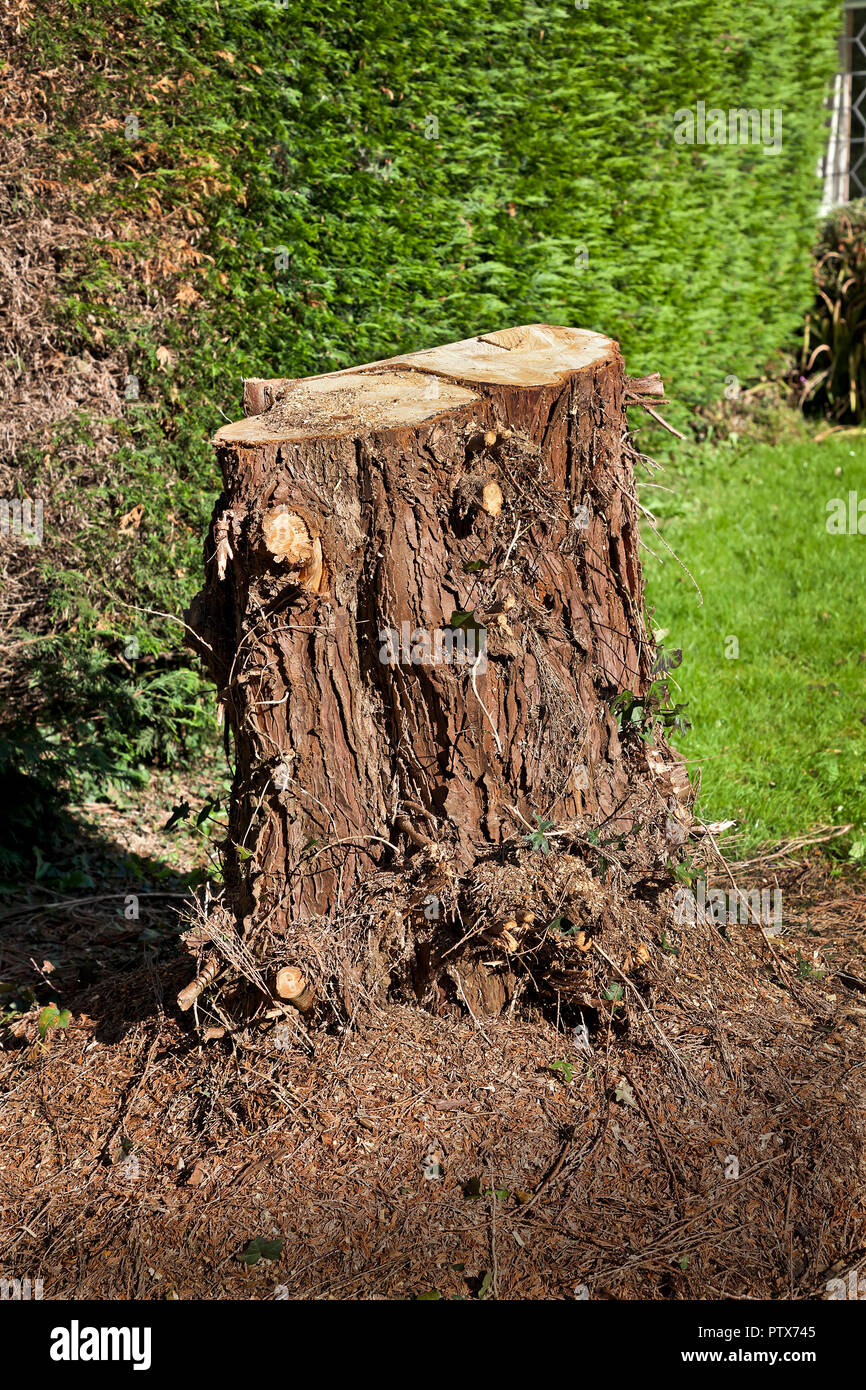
488	479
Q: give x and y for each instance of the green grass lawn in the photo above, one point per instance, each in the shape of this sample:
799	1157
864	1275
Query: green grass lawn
774	661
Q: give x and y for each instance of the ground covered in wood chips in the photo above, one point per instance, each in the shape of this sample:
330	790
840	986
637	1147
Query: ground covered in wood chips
706	1142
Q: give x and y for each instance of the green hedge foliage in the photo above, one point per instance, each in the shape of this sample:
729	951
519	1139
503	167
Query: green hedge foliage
435	168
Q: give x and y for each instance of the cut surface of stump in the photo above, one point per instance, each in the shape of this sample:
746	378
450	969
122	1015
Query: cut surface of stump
423	598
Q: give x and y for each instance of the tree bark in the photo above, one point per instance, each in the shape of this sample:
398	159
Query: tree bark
423	594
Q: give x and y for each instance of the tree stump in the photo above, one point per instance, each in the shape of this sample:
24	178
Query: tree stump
423	598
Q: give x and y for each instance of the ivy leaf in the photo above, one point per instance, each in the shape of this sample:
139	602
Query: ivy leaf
207	810
460	619
565	1068
261	1249
179	813
538	839
664	663
52	1017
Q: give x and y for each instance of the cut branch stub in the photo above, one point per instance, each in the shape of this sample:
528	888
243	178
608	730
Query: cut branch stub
205	977
491	499
434	594
287	536
291	985
293	540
